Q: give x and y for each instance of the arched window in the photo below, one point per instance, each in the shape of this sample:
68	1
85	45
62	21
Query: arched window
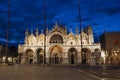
56	38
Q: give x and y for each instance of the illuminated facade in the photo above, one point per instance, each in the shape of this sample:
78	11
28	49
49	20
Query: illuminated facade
61	47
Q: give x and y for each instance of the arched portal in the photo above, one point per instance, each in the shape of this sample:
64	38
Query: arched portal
72	55
40	56
55	55
98	58
20	57
86	54
29	56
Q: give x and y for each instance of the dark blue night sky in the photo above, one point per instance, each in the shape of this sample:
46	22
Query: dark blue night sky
100	14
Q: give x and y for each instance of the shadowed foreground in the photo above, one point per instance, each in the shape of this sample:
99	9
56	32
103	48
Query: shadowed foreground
44	72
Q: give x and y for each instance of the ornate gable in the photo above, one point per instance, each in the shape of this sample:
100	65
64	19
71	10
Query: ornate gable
41	37
59	29
31	39
71	36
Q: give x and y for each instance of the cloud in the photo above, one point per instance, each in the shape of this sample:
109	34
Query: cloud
87	19
108	11
103	7
3	1
112	10
95	23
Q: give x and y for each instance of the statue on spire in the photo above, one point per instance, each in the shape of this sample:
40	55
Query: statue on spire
26	33
26	36
37	33
77	30
47	31
31	31
56	23
81	30
70	29
41	31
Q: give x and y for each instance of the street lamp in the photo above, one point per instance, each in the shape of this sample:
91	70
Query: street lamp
45	31
0	53
7	31
80	21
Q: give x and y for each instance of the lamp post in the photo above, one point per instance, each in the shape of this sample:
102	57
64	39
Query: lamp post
80	21
7	32
0	53
45	31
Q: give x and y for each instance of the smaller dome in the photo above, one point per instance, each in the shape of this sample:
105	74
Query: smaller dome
88	29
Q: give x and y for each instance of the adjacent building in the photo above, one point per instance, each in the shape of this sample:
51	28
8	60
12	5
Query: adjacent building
110	43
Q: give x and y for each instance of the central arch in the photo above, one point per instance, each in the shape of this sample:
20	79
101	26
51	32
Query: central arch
29	56
55	54
72	56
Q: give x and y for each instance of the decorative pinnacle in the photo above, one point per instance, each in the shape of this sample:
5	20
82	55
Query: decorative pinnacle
56	23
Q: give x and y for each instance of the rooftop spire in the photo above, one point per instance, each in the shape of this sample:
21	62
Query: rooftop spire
37	31
41	31
76	30
70	29
26	32
31	31
56	23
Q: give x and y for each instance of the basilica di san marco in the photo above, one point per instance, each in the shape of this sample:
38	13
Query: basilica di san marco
60	47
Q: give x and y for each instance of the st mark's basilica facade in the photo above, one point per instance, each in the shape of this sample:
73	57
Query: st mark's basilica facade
60	47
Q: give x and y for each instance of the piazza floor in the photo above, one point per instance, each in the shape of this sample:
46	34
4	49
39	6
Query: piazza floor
58	72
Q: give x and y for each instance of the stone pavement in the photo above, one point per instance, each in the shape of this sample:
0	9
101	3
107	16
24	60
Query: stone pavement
106	72
35	72
48	72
